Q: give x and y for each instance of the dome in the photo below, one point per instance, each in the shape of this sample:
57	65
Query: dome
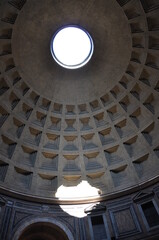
86	134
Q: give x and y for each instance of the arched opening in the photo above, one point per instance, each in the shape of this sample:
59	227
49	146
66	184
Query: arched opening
43	231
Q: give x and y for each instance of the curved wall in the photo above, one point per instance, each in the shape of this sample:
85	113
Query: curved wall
135	216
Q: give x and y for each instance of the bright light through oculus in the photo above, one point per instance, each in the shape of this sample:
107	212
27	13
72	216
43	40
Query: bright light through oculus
72	47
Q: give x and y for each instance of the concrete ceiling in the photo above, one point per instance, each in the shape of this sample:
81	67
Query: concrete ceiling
63	131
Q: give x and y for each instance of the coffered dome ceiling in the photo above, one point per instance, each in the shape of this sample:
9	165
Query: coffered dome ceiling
96	126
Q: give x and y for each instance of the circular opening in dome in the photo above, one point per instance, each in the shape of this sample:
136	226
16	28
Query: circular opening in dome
72	47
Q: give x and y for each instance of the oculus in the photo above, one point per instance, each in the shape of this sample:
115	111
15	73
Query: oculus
71	47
